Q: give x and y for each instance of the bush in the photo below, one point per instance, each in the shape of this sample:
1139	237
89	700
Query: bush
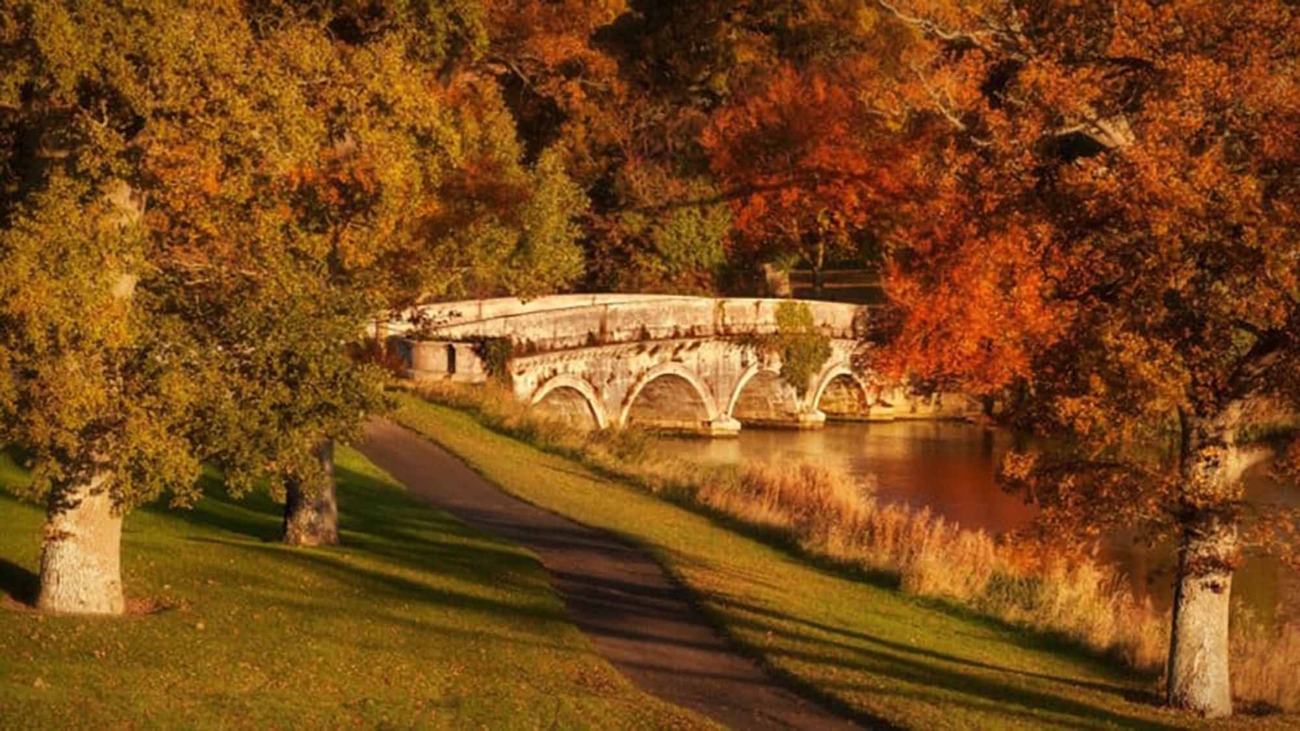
496	354
378	352
803	348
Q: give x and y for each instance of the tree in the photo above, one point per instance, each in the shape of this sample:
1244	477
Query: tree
688	67
801	345
201	207
104	377
805	160
667	234
418	192
563	90
1104	217
82	394
622	91
559	69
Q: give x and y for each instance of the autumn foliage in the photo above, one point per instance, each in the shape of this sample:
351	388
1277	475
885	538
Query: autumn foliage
808	167
1107	237
1083	212
201	206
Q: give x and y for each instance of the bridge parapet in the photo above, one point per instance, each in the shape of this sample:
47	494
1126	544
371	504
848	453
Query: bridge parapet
574	321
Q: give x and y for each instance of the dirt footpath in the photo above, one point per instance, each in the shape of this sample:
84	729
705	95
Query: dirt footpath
620	597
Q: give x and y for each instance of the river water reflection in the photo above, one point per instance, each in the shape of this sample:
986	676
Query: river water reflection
950	467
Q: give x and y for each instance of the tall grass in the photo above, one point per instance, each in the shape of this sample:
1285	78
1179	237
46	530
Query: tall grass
1265	662
834	517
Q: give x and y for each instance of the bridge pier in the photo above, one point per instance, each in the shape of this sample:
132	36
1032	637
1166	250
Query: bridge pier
762	398
724	427
800	420
812	420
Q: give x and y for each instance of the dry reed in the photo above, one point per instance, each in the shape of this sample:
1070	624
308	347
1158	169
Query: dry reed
1265	662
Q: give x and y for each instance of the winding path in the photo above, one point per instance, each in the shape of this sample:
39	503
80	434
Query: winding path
636	617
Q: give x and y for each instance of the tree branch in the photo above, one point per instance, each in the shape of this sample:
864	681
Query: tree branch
944	110
932	29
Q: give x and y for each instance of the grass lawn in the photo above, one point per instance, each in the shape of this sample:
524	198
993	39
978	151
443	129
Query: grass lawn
415	621
862	645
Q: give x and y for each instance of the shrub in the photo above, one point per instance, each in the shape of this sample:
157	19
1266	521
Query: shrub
383	353
496	354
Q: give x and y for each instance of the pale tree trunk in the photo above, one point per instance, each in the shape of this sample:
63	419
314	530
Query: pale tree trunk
311	512
1212	467
1199	679
81	564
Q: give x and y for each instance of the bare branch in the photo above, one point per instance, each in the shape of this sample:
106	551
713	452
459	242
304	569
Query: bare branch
978	39
944	109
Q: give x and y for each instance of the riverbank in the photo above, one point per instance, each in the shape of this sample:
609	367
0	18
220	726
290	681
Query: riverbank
817	517
856	641
416	620
951	467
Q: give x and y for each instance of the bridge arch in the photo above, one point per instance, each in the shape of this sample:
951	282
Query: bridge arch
841	393
572	399
762	396
669	396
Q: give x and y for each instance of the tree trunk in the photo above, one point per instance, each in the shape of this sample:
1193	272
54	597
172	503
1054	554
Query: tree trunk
81	569
819	276
1199	679
311	516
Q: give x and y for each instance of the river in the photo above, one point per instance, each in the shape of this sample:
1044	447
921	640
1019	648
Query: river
950	467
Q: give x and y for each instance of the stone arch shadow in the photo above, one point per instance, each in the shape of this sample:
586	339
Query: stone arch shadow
840	394
761	397
572	399
669	396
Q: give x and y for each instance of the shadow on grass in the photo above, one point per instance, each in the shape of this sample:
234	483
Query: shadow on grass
377	520
1020	636
1026	637
254	515
943	677
385	586
18	582
938	678
857	642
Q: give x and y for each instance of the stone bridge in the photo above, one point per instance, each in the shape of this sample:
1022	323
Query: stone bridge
687	364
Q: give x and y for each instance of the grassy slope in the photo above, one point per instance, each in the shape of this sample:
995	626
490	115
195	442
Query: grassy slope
865	646
416	621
